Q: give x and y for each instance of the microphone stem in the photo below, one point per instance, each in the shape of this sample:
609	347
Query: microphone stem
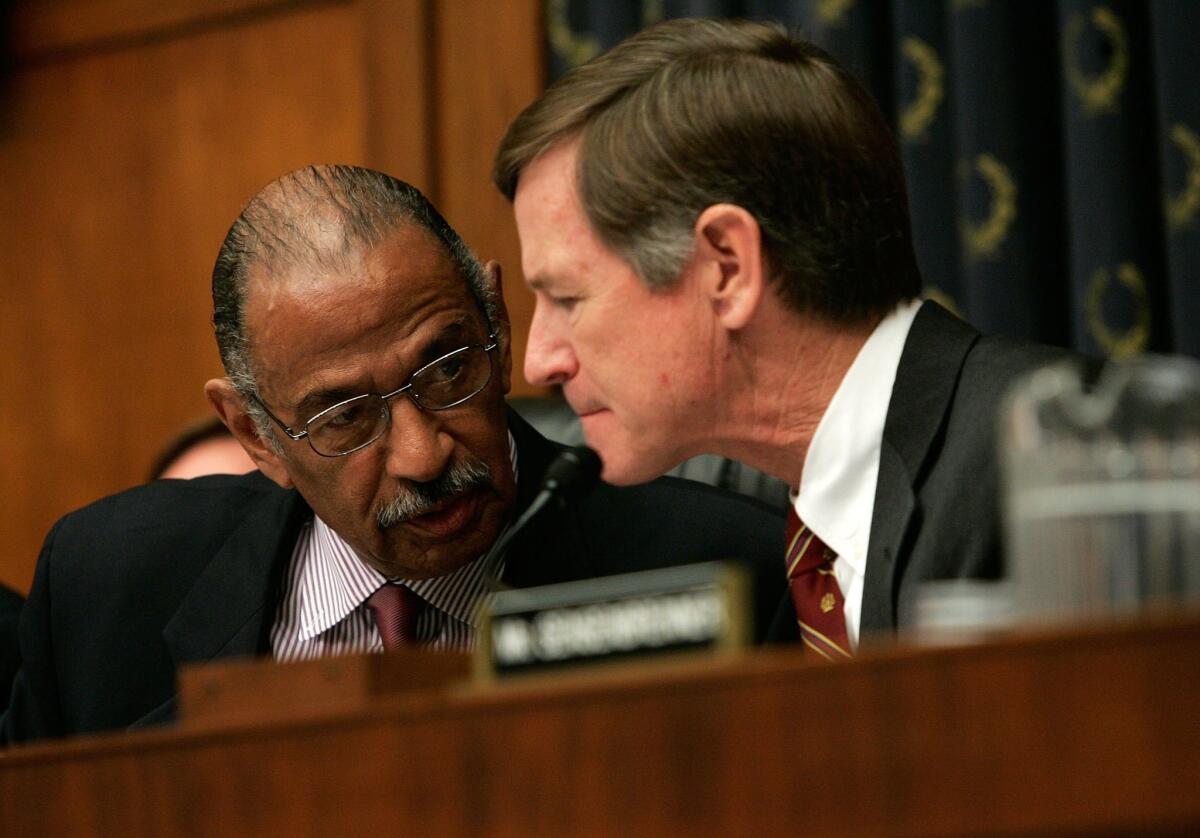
533	509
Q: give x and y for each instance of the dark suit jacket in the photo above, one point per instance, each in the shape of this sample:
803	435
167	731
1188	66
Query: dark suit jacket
937	502
10	658
133	586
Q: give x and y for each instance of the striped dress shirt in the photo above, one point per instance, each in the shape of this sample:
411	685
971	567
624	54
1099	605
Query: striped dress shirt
322	610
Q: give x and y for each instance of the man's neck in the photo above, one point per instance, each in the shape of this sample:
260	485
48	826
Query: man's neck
781	375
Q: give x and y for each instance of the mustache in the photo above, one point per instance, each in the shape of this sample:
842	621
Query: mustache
418	499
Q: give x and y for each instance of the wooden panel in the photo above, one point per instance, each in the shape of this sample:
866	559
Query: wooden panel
489	65
250	692
1079	734
135	130
52	26
397	38
122	172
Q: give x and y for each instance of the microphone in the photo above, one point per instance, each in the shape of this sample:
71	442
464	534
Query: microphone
666	610
571	475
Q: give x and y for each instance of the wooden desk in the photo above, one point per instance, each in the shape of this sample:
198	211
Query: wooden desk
1089	732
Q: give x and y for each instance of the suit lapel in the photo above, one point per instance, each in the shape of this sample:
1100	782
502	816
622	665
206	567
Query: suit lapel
784	626
228	609
930	366
894	504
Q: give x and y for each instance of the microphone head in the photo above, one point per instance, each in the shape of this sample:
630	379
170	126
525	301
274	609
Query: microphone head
573	472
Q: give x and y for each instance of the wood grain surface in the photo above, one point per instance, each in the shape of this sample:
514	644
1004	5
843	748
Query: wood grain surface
1090	733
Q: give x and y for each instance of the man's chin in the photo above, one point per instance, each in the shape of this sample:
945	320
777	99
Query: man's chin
425	561
622	466
624	462
442	541
620	476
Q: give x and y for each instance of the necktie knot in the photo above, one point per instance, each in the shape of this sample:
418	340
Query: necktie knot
395	610
806	552
815	591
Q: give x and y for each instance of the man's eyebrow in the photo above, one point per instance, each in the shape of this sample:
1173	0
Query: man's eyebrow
447	339
318	400
538	282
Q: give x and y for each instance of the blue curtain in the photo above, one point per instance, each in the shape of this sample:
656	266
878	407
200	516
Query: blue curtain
1052	148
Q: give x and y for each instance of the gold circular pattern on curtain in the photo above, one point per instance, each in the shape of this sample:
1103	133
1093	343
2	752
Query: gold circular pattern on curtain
833	12
943	299
916	116
572	47
1183	206
652	12
983	240
1101	92
1119	343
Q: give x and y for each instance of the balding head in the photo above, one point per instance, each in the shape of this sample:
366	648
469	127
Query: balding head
347	308
315	218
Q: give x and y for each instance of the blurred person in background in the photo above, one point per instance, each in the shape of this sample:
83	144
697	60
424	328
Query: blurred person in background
204	447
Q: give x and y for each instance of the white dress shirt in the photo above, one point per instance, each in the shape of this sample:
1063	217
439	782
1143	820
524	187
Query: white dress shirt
322	608
836	497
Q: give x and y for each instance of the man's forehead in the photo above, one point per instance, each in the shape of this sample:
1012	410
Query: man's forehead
389	290
550	181
409	251
408	273
556	235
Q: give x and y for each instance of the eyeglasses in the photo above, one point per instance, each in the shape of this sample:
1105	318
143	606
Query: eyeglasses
355	423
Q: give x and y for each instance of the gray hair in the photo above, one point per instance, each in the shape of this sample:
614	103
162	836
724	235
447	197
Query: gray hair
416	499
278	228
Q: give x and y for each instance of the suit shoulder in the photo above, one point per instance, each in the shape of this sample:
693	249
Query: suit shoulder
169	510
688	519
995	363
999	354
676	493
701	496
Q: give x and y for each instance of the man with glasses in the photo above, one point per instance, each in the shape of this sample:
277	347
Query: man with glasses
367	355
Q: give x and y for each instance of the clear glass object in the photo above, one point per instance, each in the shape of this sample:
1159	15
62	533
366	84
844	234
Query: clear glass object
1102	489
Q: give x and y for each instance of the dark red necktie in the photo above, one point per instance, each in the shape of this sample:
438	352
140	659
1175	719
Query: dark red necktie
815	591
396	609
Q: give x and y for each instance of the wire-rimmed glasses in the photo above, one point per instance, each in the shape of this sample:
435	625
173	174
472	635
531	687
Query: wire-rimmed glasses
439	385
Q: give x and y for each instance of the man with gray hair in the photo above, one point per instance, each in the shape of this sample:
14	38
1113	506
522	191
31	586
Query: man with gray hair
367	359
713	220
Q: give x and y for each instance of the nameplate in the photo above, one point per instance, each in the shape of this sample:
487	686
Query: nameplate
691	608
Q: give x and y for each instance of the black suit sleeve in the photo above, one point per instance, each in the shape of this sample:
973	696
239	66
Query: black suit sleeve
10	657
33	708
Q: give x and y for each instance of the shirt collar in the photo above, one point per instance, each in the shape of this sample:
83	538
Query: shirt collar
836	498
334	582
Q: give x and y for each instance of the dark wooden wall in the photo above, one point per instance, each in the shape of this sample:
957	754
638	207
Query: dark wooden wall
132	131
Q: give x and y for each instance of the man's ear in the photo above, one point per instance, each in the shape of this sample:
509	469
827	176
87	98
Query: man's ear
729	256
229	406
502	325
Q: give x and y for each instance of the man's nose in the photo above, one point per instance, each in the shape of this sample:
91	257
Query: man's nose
549	358
419	449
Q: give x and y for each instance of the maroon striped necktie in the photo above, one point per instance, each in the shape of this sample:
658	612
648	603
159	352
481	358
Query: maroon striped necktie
815	591
395	609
